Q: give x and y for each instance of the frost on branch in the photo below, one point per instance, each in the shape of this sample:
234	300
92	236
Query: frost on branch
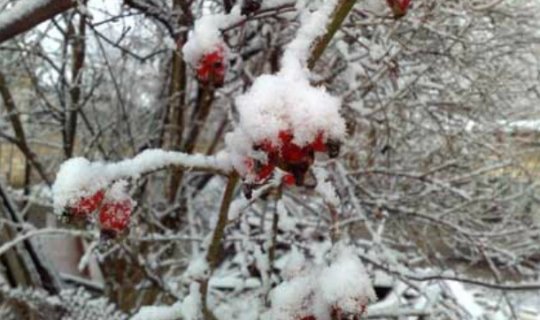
72	304
340	289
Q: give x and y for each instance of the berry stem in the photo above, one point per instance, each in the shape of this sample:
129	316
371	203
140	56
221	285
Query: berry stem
340	13
214	250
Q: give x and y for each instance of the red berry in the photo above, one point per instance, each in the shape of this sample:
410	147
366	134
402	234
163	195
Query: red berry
211	68
260	171
399	7
266	146
318	144
310	317
87	205
291	153
114	216
285	136
264	171
288	179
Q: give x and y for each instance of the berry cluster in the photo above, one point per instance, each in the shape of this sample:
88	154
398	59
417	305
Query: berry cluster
212	68
113	213
289	157
399	7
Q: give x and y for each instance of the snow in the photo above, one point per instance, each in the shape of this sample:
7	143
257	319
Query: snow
287	101
297	51
188	309
325	187
78	177
343	284
291	299
159	312
206	35
198	269
20	10
278	103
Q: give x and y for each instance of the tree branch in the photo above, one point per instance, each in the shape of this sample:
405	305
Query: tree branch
342	11
27	14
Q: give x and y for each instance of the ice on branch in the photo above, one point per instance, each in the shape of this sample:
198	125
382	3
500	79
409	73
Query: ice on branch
341	288
79	178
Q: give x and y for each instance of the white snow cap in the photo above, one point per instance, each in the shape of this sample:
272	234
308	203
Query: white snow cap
343	284
279	103
76	178
293	298
118	192
206	35
189	309
79	177
287	101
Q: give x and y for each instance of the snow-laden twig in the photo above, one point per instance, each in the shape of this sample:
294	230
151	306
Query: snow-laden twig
79	177
41	232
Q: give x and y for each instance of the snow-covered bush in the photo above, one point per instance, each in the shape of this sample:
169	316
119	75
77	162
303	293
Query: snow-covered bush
269	159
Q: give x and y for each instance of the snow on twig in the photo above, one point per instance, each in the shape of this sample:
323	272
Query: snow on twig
79	177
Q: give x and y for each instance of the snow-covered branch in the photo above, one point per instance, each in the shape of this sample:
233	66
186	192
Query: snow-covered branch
26	14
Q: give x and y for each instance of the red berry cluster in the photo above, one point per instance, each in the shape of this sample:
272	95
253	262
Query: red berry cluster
399	7
212	68
86	205
288	156
113	215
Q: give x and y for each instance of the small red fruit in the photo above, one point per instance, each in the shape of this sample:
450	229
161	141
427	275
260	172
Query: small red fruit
114	216
211	68
87	205
310	317
399	7
263	171
318	144
288	179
